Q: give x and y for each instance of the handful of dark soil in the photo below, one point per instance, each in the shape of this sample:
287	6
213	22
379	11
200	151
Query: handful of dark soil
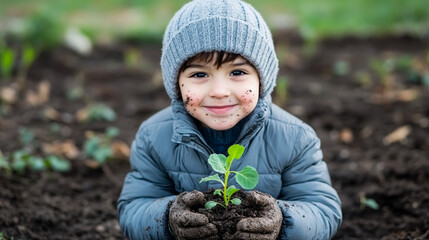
226	220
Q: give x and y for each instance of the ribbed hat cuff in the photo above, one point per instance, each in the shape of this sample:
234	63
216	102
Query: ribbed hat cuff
201	36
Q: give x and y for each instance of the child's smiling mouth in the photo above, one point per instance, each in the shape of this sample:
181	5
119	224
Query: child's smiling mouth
220	109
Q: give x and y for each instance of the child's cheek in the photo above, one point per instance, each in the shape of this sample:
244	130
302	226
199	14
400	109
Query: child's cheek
191	101
248	100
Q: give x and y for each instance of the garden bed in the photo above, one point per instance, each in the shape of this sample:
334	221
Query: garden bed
374	128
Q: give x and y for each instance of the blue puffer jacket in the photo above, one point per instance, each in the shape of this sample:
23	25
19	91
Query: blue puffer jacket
169	156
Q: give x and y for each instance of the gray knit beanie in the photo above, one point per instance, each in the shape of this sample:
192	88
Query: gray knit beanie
218	25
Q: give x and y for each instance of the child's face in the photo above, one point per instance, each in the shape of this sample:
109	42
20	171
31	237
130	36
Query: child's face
219	97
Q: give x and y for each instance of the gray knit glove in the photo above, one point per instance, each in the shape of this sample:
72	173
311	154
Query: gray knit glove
265	227
186	224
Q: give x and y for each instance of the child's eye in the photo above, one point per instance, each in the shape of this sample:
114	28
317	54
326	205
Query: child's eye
199	75
237	73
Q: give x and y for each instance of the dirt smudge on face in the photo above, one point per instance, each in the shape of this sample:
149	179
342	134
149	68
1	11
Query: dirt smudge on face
187	100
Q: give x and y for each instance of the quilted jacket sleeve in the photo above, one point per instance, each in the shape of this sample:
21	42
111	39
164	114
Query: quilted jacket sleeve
312	209
146	193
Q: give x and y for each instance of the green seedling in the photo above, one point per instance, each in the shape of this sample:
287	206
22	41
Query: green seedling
98	147
414	70
7	58
56	163
247	177
21	160
28	139
28	56
10	57
26	136
75	93
99	112
341	68
368	202
404	65
25	158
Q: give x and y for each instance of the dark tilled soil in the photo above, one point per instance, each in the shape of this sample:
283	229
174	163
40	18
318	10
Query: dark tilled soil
226	220
351	117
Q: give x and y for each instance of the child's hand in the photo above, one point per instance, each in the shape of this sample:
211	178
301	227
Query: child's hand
189	225
261	228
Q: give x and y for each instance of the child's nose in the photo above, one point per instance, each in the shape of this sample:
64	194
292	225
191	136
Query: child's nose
219	88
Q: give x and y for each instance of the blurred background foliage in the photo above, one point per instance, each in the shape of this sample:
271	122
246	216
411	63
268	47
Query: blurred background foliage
44	22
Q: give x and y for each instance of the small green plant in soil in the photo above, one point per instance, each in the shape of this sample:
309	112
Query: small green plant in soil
7	57
411	70
98	146
20	160
368	202
27	138
341	68
247	177
414	70
21	58
98	112
27	158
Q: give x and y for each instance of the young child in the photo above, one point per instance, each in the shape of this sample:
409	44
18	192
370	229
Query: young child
219	68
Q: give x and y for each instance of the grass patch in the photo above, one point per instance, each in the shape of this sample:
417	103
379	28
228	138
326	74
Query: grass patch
327	18
314	19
